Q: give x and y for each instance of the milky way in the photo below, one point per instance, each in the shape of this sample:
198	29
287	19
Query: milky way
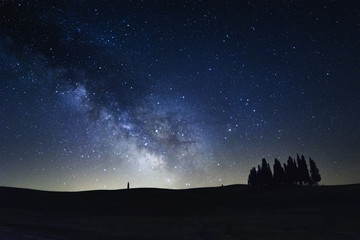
175	94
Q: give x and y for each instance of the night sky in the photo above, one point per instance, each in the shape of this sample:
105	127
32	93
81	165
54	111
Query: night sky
175	94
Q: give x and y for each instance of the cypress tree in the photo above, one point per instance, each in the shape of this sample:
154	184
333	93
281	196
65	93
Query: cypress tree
304	176
269	176
298	178
265	172
291	171
314	171
252	180
279	173
286	174
259	176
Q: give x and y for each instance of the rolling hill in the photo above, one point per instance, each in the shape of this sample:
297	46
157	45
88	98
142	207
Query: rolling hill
231	212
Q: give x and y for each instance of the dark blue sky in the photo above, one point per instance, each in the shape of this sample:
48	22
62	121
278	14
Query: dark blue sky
175	94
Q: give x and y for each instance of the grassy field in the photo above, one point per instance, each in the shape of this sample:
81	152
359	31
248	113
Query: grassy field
234	212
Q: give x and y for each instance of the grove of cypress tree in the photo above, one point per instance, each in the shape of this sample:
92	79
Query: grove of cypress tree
293	172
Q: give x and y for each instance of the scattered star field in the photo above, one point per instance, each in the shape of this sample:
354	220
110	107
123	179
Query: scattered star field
175	94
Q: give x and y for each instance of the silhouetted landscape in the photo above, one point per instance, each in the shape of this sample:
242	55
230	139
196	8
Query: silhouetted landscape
99	98
229	212
293	173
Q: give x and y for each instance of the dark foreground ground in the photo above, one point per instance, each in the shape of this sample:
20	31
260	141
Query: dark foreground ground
232	212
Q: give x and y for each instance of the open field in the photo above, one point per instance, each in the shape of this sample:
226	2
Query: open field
232	212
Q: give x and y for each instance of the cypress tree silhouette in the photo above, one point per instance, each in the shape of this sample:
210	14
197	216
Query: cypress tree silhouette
307	175
314	171
269	176
279	174
286	175
298	178
252	180
265	172
259	177
303	171
291	171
